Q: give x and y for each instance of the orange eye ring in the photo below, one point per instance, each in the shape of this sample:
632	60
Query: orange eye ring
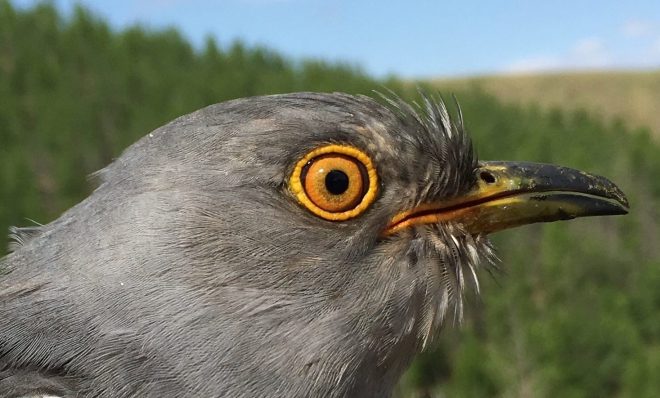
335	182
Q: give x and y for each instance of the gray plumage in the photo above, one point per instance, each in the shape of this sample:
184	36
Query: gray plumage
192	271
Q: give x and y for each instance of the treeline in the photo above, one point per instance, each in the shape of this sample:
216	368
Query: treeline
574	312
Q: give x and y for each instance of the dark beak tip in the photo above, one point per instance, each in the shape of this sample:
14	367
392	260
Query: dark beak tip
622	200
619	208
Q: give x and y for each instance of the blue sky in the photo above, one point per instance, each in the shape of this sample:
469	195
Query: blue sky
416	38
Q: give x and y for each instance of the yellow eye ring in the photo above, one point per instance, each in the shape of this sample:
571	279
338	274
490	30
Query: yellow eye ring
335	182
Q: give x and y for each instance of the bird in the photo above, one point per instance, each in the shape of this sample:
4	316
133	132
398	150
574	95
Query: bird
289	245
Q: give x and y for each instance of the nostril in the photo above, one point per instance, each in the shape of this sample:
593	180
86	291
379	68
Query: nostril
487	177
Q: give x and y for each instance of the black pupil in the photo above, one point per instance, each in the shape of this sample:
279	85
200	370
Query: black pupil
336	182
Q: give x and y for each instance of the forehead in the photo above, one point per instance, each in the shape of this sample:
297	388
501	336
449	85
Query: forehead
280	129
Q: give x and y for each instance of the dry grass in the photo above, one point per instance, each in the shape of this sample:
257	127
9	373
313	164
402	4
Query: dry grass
631	96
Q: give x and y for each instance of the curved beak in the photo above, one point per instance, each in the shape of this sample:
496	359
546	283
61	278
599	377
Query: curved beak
509	194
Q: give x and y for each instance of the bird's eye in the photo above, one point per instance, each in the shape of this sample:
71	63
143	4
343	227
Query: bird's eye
335	182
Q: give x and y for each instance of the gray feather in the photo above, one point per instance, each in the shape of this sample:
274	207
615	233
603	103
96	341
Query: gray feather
20	236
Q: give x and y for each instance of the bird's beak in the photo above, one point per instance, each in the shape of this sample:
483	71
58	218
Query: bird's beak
509	194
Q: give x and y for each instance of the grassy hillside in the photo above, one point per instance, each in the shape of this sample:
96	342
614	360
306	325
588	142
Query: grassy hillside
574	312
630	96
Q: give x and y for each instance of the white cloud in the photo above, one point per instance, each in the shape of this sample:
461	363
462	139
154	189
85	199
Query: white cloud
588	46
640	49
589	52
636	28
655	48
533	64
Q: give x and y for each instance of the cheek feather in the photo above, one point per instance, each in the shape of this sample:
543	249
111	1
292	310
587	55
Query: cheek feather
447	259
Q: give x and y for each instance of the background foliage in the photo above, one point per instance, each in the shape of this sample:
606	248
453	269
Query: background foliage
574	312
